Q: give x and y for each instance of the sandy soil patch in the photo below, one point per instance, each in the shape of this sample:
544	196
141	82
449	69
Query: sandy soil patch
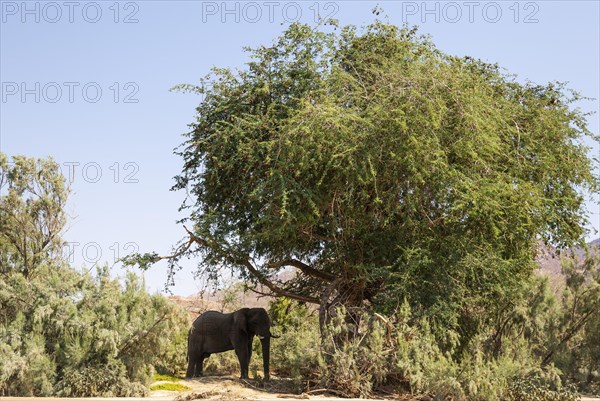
230	388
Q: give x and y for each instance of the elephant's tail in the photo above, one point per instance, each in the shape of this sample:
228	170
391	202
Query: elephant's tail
272	335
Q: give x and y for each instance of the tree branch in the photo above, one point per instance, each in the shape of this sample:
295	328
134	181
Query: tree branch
129	342
183	248
318	236
306	269
244	261
569	334
277	290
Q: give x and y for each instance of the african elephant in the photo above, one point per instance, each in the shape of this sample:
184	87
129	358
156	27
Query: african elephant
214	332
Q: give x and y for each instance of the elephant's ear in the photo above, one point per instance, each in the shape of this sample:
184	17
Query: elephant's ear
240	320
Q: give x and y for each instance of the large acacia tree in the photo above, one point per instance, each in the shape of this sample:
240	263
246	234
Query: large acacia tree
380	169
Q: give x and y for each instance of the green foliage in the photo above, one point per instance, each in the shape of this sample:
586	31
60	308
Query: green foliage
69	328
62	331
358	363
533	390
170	387
33	194
224	363
559	329
296	352
404	353
160	377
106	380
27	373
287	314
574	345
505	361
230	297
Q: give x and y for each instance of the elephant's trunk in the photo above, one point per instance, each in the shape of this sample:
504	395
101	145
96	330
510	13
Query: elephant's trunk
266	351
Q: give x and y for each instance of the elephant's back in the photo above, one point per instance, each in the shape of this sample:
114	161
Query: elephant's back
212	316
213	322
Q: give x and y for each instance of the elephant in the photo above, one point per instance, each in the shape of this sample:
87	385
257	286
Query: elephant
214	332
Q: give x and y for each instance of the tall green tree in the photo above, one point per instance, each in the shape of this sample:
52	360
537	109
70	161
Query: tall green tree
381	169
32	213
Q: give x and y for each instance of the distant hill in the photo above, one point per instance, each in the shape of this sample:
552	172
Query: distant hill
549	261
220	300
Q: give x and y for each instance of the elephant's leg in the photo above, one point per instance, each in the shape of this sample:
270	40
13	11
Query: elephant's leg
191	367
266	351
249	350
199	363
242	353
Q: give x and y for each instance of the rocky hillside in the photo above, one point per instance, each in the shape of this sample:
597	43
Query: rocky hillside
221	300
549	259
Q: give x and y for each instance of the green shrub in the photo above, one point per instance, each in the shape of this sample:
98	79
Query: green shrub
532	389
107	380
72	320
295	354
167	378
356	355
170	387
224	363
32	372
369	352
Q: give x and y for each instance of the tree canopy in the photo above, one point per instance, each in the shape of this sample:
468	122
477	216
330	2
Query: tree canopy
381	169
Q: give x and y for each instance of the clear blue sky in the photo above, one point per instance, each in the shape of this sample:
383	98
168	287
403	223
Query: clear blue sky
55	56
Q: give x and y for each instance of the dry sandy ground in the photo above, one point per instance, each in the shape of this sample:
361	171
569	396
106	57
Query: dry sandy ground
229	388
222	388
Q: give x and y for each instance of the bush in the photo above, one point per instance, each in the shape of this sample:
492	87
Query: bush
27	374
99	381
64	325
162	377
532	389
170	387
223	363
295	354
355	356
364	355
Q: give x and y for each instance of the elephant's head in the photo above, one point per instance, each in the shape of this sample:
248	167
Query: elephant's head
258	324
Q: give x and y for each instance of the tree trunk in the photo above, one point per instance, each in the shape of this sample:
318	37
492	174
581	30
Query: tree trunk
346	294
